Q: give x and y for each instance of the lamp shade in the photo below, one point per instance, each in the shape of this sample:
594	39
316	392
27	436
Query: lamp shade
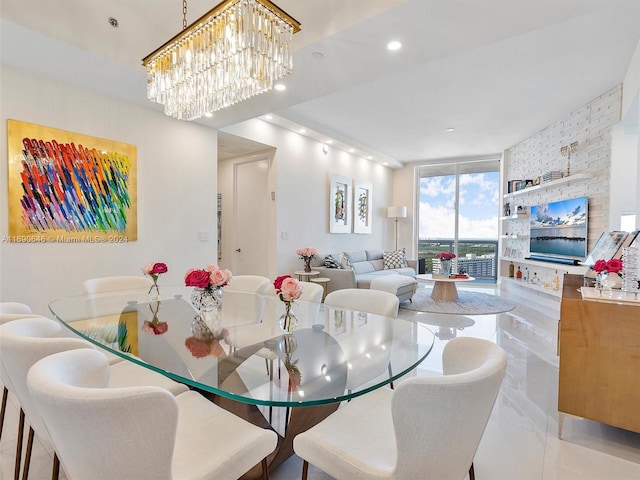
396	212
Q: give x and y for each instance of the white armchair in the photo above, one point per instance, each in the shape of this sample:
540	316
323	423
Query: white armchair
105	433
428	427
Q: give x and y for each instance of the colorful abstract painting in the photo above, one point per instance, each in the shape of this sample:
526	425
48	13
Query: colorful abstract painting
69	187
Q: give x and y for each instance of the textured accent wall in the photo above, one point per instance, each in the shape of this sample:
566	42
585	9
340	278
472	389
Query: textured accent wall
591	126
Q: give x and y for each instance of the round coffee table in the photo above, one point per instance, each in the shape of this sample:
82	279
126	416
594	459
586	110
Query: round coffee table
444	288
306	276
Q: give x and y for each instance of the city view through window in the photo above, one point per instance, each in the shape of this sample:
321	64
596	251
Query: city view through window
458	213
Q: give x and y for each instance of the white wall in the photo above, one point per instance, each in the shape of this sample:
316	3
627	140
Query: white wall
176	191
302	180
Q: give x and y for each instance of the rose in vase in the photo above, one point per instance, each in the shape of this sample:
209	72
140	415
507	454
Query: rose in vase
307	254
287	289
154	270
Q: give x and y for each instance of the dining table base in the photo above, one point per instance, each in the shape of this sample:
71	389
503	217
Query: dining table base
300	420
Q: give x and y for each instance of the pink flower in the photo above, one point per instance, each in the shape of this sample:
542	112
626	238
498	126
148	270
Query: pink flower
445	256
290	289
155	328
614	265
154	268
307	252
219	278
277	283
197	278
600	266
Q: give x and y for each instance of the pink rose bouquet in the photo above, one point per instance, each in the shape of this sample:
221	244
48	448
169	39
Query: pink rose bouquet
612	266
307	252
287	288
445	256
209	277
154	270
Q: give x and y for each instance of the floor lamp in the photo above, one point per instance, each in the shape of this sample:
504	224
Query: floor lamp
397	213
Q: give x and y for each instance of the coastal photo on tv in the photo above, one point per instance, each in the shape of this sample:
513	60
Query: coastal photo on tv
559	229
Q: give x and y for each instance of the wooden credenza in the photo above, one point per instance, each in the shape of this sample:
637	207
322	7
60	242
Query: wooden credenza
599	348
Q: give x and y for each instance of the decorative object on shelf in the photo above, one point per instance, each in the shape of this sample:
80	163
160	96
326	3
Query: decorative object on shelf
307	254
205	341
211	64
396	213
154	270
630	269
445	262
608	271
207	294
566	151
287	289
155	326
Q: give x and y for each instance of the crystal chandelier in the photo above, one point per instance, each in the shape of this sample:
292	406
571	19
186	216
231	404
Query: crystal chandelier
233	52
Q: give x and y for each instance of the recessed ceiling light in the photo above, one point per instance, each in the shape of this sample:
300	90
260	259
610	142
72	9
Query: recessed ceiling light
385	163
208	114
450	129
268	117
351	150
280	87
329	141
302	130
113	22
394	45
369	157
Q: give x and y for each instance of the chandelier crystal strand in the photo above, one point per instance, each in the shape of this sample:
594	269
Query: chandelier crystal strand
227	56
630	269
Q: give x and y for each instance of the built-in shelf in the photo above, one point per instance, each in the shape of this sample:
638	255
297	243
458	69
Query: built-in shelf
563	267
516	216
533	286
553	183
515	236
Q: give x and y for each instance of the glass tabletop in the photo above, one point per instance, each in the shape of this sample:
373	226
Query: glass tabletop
241	353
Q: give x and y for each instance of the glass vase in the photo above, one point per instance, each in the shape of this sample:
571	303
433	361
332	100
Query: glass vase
445	267
307	264
208	303
154	291
288	321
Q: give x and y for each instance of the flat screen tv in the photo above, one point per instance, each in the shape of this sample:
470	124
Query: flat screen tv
559	229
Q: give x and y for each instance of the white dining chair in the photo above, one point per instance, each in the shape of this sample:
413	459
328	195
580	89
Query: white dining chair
112	284
10	311
104	433
428	427
248	283
364	300
24	342
14	308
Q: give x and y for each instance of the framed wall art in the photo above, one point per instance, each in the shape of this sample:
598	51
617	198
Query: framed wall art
68	187
340	204
362	205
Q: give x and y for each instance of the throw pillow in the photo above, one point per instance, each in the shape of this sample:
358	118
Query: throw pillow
394	259
345	261
331	262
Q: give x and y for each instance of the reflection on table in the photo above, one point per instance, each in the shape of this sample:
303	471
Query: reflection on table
241	360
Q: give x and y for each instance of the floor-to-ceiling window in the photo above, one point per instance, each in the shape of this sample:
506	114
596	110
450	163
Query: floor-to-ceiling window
458	213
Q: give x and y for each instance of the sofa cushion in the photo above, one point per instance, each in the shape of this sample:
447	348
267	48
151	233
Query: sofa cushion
403	271
374	254
360	268
377	264
394	260
355	257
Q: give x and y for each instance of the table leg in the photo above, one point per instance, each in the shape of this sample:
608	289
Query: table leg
446	291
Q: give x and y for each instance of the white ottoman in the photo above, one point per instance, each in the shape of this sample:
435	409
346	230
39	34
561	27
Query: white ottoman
402	286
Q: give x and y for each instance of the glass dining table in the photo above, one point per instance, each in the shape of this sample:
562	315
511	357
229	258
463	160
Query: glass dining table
240	358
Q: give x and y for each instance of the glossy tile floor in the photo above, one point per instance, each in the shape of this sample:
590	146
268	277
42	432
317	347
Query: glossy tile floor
521	440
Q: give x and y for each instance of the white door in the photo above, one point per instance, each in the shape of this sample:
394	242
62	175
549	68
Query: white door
252	201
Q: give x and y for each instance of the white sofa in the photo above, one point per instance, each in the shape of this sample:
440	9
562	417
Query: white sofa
360	269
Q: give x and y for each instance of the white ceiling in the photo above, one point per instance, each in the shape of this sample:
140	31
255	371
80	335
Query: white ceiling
495	70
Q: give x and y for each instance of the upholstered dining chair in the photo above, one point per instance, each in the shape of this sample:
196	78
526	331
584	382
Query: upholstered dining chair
364	300
248	283
24	342
139	432
10	311
428	427
112	284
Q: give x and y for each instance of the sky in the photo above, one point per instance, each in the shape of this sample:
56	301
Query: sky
479	206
